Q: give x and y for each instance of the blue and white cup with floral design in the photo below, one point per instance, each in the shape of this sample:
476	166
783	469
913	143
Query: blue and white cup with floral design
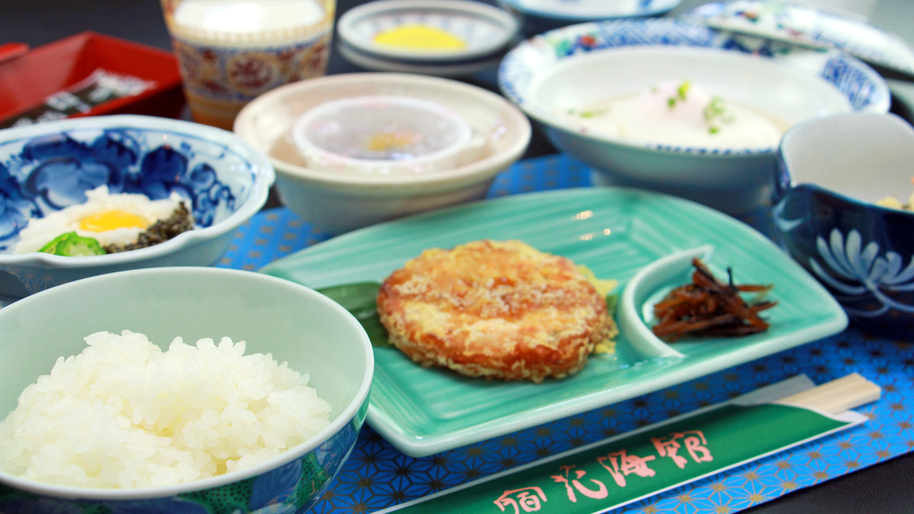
837	175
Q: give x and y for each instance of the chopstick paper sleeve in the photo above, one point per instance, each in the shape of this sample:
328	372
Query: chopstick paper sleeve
642	463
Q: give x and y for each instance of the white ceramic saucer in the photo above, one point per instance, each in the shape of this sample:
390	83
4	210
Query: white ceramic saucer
538	16
809	27
590	10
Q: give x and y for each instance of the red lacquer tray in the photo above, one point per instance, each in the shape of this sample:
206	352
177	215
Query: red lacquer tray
62	79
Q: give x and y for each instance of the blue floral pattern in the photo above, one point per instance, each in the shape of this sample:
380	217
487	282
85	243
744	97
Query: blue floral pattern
51	172
15	209
855	270
861	252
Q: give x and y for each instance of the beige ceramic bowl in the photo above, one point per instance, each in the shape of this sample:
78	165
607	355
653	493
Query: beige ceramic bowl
336	201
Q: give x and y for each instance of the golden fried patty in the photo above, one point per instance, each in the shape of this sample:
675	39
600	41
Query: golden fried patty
494	309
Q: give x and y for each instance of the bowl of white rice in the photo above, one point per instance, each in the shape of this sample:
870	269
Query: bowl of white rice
177	389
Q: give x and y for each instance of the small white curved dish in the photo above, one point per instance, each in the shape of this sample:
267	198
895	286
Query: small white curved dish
645	289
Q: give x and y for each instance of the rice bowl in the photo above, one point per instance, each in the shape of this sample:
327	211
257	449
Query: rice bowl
292	323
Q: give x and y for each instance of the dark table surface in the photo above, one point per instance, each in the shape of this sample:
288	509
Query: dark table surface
885	488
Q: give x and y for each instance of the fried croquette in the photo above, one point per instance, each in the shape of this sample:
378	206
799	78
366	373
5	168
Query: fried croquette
495	309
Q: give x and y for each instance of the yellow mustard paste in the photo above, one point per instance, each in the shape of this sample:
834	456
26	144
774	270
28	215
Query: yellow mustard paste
420	36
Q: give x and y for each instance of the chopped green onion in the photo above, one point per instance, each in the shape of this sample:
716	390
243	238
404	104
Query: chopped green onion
684	88
717	109
588	114
595	112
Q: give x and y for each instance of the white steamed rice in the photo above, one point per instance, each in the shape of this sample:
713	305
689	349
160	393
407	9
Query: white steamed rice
125	414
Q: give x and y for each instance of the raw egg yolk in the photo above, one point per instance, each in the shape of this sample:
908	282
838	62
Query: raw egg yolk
110	220
419	36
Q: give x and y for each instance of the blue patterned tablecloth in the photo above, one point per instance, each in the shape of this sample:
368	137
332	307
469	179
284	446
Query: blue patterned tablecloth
377	475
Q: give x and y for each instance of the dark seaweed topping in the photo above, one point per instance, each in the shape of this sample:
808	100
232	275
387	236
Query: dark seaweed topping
160	231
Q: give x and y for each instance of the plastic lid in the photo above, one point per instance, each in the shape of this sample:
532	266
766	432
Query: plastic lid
381	135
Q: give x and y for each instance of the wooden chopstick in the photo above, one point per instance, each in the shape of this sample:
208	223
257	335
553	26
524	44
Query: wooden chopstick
838	395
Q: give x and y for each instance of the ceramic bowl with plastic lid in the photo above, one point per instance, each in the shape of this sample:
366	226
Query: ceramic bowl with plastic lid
345	198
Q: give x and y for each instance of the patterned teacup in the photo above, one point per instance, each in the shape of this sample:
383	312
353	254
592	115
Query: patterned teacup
835	175
231	51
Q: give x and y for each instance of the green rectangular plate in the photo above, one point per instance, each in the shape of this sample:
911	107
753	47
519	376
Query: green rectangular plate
613	231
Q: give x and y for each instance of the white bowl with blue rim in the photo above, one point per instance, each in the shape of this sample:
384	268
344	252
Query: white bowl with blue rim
538	16
49	166
446	38
833	174
560	71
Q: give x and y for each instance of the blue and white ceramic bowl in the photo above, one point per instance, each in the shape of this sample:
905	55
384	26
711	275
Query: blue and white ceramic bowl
47	167
294	324
832	173
566	68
